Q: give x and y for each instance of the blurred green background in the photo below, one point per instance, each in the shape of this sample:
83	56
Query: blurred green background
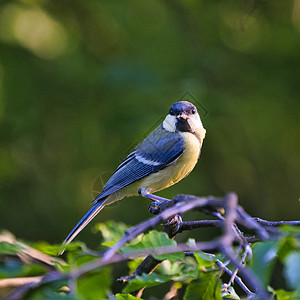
81	82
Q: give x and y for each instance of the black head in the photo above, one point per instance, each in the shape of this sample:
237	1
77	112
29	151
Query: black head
183	107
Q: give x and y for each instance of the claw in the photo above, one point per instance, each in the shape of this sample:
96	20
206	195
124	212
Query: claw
154	207
174	222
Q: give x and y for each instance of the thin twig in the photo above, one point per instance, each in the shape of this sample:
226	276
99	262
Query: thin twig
201	246
183	204
276	223
237	279
232	213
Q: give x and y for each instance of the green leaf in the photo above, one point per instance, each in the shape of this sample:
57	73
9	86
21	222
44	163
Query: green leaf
290	229
287	245
155	240
187	274
75	247
125	297
111	231
8	248
47	293
48	248
182	271
284	295
264	255
229	292
133	264
203	259
146	280
292	270
16	268
208	287
96	285
33	269
83	259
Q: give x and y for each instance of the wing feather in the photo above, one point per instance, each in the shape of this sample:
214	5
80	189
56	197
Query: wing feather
152	155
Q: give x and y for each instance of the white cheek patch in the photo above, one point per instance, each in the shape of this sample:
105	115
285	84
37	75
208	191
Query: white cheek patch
169	123
195	122
197	126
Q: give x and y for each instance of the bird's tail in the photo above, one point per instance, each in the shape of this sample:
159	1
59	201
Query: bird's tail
82	223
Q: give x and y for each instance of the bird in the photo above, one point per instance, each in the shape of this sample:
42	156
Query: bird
167	155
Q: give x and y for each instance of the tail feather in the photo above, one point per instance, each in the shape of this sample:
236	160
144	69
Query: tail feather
97	207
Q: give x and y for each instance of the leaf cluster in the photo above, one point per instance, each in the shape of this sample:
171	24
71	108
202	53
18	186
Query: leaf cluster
187	275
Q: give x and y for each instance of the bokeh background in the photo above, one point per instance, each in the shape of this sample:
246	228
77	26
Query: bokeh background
81	82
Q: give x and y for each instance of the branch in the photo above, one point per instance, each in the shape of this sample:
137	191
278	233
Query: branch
234	212
201	246
276	223
234	216
182	204
237	279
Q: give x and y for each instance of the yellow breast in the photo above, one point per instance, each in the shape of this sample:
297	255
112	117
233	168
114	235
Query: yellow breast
177	170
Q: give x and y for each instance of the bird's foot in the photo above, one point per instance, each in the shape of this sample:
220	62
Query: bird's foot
154	207
174	224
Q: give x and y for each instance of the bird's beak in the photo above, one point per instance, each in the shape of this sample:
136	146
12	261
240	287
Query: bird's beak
183	123
183	116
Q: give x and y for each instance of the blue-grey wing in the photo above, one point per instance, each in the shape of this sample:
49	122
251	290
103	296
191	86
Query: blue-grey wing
158	150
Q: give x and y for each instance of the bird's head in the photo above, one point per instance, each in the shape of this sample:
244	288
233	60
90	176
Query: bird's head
183	117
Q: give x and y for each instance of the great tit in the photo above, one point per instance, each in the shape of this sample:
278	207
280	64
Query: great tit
163	158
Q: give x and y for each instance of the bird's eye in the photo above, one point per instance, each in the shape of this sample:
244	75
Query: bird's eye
193	111
172	112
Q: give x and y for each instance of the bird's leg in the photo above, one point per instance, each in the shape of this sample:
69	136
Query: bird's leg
173	223
154	207
144	193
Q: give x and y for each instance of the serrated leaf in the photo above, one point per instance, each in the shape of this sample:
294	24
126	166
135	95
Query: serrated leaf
263	261
146	280
208	287
96	285
125	297
155	240
292	270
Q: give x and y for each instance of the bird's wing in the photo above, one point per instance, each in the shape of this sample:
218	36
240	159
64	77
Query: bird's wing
152	155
